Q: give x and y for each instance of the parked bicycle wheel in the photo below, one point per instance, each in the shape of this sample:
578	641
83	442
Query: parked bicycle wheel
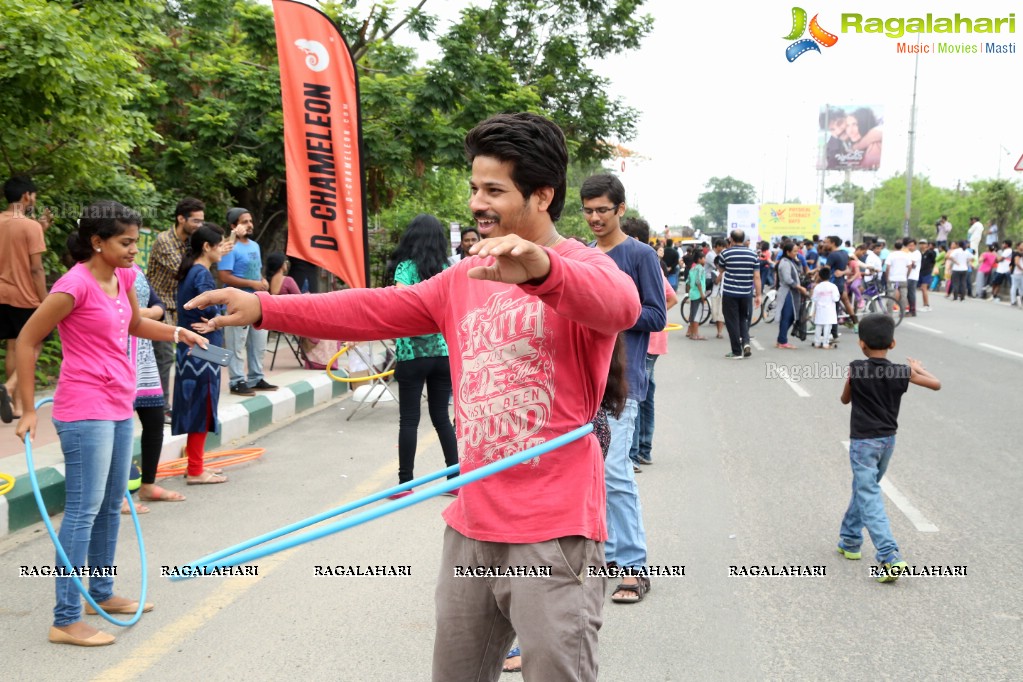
683	304
769	307
758	312
886	305
704	310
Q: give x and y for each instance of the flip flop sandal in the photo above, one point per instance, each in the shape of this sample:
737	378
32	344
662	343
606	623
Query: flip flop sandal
512	654
165	496
208	478
139	509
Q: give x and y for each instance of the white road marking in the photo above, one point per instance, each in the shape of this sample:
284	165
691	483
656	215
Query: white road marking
1001	350
800	391
756	344
914	515
926	329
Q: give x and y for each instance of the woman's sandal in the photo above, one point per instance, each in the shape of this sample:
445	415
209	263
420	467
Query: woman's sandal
639	589
139	508
163	495
514	653
205	478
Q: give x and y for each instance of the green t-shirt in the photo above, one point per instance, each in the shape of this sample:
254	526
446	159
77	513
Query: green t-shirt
697	282
410	348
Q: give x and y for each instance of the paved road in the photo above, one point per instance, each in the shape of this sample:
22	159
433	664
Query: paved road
750	470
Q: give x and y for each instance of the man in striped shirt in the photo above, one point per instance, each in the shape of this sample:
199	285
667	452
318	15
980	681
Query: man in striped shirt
740	292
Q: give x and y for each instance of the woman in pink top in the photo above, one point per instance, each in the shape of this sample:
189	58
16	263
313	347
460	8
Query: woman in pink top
96	310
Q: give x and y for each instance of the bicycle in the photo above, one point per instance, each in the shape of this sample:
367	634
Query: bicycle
876	302
704	310
768	308
879	302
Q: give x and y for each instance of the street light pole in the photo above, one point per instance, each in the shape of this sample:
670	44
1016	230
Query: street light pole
912	140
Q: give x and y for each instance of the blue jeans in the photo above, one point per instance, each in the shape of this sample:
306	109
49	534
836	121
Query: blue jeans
787	316
626	538
253	342
97	461
643	434
869	458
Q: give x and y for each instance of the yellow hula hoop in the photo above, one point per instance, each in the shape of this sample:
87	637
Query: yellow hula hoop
672	327
346	380
6	483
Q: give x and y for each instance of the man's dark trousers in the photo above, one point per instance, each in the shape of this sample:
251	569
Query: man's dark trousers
736	311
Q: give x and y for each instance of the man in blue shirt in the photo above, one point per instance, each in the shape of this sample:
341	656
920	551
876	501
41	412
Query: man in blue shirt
810	256
243	268
603	198
838	261
740	292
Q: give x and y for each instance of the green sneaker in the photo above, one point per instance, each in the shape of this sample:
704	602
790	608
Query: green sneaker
892	571
849	555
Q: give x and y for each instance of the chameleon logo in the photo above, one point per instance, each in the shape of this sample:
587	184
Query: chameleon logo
316	56
818	34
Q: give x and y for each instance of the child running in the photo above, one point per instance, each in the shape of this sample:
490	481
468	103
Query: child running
825	295
697	295
875	387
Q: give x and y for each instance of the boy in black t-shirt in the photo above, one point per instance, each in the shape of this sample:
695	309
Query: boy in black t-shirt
875	387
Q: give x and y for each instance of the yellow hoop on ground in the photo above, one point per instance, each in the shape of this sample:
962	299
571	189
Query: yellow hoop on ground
672	327
177	467
6	483
352	380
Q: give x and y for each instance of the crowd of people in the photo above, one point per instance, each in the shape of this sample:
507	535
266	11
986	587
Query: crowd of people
909	272
521	314
121	331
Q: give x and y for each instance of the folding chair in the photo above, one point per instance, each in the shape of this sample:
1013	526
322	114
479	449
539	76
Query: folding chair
294	344
378	383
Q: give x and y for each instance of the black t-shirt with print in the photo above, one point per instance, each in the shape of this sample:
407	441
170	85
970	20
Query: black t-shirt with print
877	386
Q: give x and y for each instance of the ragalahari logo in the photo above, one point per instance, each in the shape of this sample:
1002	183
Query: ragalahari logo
316	57
818	35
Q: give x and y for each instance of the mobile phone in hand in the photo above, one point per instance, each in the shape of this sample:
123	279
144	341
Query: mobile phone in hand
214	354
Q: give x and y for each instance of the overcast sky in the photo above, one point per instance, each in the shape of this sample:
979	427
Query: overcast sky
717	97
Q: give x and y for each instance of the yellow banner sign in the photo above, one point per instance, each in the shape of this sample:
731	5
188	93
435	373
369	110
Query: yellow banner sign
789	220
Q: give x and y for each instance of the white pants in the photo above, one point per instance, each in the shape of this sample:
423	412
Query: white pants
822	335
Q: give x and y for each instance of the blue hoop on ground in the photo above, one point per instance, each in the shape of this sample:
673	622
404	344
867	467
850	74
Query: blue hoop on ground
63	555
218	559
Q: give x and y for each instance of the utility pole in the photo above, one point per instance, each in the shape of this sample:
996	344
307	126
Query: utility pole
912	141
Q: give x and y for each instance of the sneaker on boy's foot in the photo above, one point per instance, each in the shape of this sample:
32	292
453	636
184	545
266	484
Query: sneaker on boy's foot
733	356
890	572
746	351
849	554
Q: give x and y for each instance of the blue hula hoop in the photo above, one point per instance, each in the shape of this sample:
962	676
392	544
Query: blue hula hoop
219	559
63	555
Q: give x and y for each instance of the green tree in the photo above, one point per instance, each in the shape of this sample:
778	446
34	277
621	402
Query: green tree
1001	201
720	193
69	78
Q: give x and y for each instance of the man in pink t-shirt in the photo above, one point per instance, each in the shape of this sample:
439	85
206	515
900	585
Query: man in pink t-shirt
530	320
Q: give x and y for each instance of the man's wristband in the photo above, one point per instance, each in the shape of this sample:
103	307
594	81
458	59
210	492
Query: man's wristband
177	330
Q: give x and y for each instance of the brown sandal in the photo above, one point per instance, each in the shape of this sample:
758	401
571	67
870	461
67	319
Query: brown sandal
640	589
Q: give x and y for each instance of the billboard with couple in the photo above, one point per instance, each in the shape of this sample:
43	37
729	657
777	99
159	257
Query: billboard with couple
850	137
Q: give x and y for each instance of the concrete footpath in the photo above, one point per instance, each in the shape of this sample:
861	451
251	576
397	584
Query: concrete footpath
299	390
